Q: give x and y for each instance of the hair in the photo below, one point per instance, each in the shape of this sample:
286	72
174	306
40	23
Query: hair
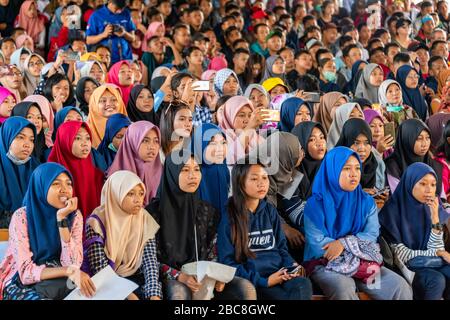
343	40
236	42
4	40
52	81
443	144
320	52
188	51
433	59
307	18
231	6
436	43
226	18
379	32
402	57
308	83
241	50
238	213
179	26
347	49
230	30
152	12
375	50
390	45
361	25
176	80
323	62
300	52
193	9
256	58
166	124
311	29
425	4
259	25
372	42
391	20
76	36
284	49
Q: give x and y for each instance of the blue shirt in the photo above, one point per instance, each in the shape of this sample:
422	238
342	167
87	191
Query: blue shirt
120	47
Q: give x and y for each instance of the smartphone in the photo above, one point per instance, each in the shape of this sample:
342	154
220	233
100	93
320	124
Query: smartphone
380	192
201	85
389	129
293	269
313	97
72	56
273	115
117	28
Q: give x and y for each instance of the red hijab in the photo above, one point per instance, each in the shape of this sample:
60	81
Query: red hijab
87	179
113	77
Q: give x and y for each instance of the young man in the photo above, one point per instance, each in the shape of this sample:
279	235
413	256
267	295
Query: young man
261	31
303	63
378	56
240	60
196	19
425	33
274	42
350	55
288	56
181	37
435	66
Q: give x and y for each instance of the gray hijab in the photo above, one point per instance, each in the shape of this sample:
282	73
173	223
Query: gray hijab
364	89
340	117
268	73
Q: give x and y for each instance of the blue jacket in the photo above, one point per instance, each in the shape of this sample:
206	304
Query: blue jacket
266	240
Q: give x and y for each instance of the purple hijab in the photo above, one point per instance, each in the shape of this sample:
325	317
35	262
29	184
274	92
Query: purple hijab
127	158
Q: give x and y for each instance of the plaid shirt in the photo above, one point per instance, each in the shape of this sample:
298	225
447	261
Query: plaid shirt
201	115
150	266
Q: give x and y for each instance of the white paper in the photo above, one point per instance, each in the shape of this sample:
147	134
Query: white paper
208	272
109	286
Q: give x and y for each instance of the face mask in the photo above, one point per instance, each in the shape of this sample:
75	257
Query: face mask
15	160
329	76
46	131
111	147
394	108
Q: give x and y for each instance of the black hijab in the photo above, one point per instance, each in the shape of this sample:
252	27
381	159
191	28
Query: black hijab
351	130
133	112
403	155
309	166
79	93
21	110
179	214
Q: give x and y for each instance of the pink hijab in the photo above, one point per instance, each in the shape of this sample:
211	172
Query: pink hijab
47	112
20	41
151	31
34	26
127	158
218	63
113	77
4	93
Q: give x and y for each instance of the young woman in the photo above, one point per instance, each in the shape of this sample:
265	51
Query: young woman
408	78
188	231
342	114
59	91
140	105
48	116
194	58
139	153
239	120
357	136
275	87
7	103
210	149
32	112
251	239
45	241
17	137
19	56
369	83
104	102
11	78
412	145
94	70
413	222
226	83
294	111
85	88
72	149
116	126
328	105
258	95
275	68
341	226
176	126
382	143
121	233
33	22
64	115
32	67
122	76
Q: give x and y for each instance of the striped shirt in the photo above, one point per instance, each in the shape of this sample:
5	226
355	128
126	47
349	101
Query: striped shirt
435	243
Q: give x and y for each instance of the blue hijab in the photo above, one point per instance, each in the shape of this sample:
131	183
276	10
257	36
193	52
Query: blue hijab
405	220
215	182
335	212
356	74
14	178
43	233
412	97
60	116
114	124
289	109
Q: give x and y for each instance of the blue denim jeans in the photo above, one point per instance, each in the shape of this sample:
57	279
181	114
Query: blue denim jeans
432	284
294	289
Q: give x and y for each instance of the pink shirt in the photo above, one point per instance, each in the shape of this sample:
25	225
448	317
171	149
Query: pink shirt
18	256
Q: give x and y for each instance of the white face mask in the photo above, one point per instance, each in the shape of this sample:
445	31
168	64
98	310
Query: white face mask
15	160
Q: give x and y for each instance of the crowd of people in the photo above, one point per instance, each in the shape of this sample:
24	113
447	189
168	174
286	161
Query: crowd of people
305	143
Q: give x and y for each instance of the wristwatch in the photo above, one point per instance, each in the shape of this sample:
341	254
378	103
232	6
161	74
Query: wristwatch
64	223
437	226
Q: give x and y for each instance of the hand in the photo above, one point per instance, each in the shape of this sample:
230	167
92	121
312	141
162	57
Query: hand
295	237
57	103
132	296
433	204
190	281
121	33
277	278
256	119
189	96
83	282
167	42
166	85
61	57
300	94
369	190
385	143
108	31
219	286
155	298
444	255
333	250
71	206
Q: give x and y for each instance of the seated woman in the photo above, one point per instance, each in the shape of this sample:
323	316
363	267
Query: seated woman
188	231
104	102
83	91
226	83
116	126
408	78
7	103
328	105
48	116
141	103
275	87
59	91
413	221
357	136
294	111
45	241
122	76
251	238
341	226
139	153
73	149
258	96
64	115
210	149
369	82
412	145
17	137
381	142
342	114
94	70
392	104
275	68
239	121
32	67
121	233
